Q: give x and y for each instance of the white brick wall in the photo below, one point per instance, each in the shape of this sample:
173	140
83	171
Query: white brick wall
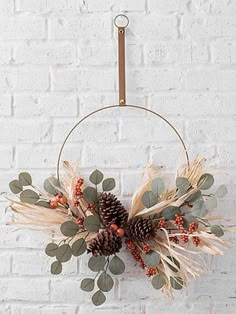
58	62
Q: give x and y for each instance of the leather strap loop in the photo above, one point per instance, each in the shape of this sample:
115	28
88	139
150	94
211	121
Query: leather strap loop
121	61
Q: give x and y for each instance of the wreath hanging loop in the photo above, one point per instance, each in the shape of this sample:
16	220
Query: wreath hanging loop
121	21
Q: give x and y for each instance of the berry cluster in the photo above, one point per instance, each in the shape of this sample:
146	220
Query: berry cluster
59	199
77	191
178	220
130	244
162	224
91	207
192	227
174	239
196	241
151	271
184	236
80	221
146	248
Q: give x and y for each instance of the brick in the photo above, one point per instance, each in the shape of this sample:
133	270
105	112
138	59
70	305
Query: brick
48	105
6	153
50	6
33	290
61	294
5	53
182	105
6	7
12	237
45	53
5	105
73	27
85	131
6	80
25	131
5	309
115	156
221	52
162	79
151	130
28	79
153	26
73	80
169	52
223	7
227	156
203	27
44	156
200	52
22	28
202	131
168	7
44	309
5	265
229	28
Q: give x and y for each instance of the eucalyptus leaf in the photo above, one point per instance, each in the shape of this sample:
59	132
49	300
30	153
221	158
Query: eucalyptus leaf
151	259
221	191
29	196
90	195
78	247
149	199
116	266
43	204
206	181
96	263
211	202
182	183
105	282
217	230
50	185
15	186
98	298
199	208
188	219
158	282
69	228
92	223
87	284
96	177
194	197
25	178
63	253
51	249
158	186
56	268
108	184
170	212
173	260
176	283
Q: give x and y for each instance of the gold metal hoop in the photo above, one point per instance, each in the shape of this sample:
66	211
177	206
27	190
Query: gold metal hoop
118	106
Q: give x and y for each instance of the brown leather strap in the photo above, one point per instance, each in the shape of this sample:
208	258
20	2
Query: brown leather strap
121	49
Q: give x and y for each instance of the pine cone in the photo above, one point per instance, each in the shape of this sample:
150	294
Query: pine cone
140	229
112	211
106	243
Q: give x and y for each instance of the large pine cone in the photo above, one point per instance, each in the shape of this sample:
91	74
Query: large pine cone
112	211
106	243
140	229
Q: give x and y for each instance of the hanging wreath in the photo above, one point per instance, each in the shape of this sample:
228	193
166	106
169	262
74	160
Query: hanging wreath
165	230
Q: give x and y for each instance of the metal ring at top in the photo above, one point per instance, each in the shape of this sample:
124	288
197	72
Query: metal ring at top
121	26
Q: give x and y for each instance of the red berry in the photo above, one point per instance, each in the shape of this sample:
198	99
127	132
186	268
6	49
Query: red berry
146	248
184	236
178	220
192	227
174	239
196	241
53	204
151	271
80	221
63	199
114	227
162	224
130	244
120	232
